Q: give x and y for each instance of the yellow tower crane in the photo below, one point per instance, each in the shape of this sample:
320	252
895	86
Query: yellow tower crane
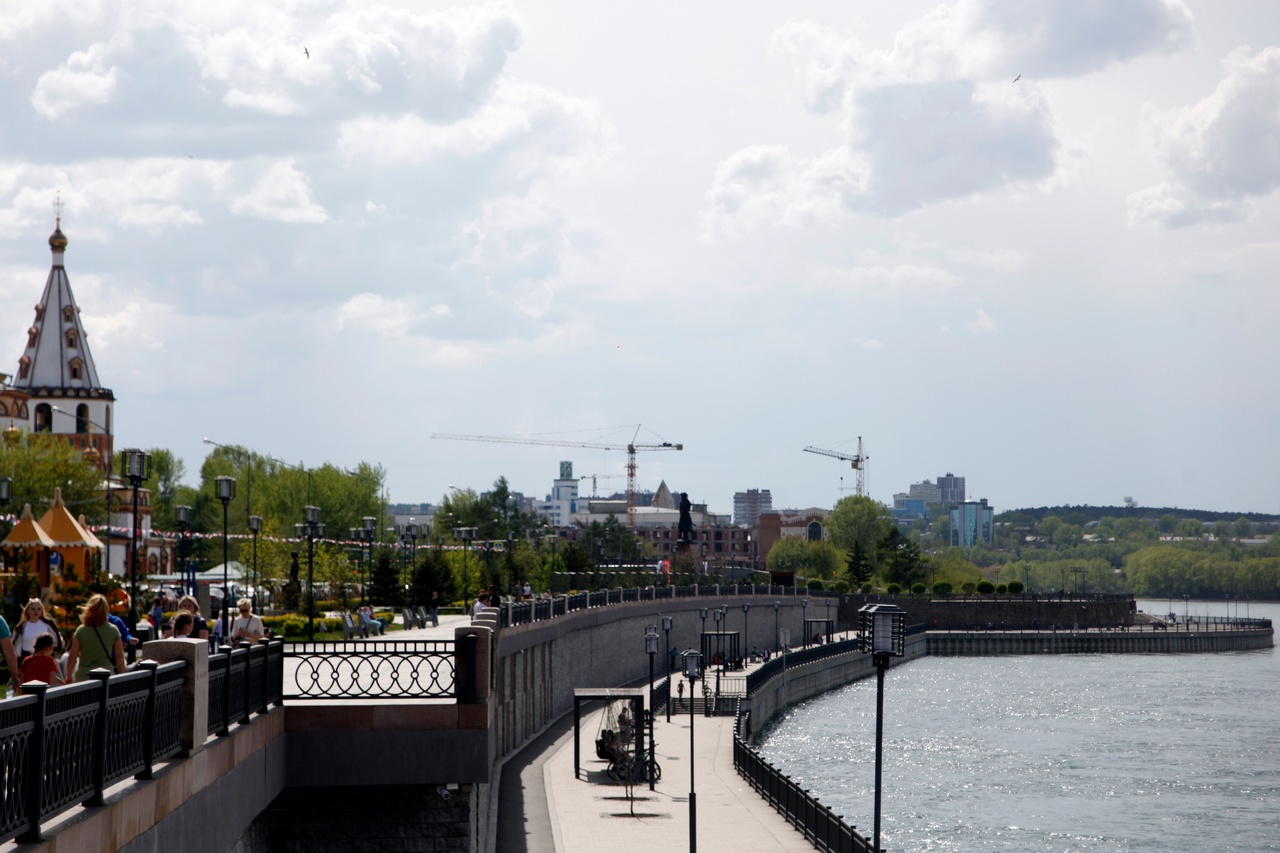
859	463
631	448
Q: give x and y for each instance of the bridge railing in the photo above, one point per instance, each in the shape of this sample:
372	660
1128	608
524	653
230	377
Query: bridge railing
63	746
524	612
393	669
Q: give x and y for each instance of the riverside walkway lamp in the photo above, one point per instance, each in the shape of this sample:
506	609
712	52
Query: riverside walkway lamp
666	627
310	528
881	627
137	467
225	490
255	527
691	660
651	647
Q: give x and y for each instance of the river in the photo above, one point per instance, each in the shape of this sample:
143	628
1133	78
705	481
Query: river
1054	753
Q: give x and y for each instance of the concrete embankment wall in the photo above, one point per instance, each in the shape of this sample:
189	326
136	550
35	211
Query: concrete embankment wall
1071	642
804	682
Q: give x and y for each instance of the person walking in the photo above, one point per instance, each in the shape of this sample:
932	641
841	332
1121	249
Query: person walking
33	623
95	643
247	627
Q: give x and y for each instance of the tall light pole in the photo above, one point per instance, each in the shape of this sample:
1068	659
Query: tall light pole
370	527
882	635
651	646
691	659
804	621
717	615
777	630
411	530
224	488
137	467
184	544
666	627
311	528
255	526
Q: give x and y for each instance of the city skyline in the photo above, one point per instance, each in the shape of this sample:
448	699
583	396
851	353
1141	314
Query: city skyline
1030	243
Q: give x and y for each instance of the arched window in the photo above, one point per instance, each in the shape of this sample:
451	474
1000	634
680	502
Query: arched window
82	418
44	418
68	313
76	368
72	339
815	531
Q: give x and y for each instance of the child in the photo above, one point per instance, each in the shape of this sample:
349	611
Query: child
41	665
182	625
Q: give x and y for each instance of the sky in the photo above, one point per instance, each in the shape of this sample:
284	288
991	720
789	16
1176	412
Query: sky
1029	242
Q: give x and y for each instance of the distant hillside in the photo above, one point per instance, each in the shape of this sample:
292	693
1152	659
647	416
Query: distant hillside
1083	514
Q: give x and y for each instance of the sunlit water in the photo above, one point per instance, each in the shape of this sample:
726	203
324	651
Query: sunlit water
1054	753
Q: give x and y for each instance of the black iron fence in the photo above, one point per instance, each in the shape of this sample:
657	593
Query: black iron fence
393	669
523	612
64	746
244	681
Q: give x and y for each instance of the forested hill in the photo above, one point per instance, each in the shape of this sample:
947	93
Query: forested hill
1084	514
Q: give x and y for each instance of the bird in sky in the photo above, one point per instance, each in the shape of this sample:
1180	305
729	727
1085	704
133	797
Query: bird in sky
308	53
1016	79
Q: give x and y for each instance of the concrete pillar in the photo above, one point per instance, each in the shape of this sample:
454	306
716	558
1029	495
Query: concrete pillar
195	687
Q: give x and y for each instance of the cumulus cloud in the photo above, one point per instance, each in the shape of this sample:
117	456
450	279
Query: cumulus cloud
872	345
936	116
1220	153
389	317
84	78
982	324
281	194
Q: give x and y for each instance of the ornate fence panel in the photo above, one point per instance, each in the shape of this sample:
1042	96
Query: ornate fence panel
395	669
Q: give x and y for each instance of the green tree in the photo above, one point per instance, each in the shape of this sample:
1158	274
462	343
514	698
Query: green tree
38	463
858	568
1243	528
794	554
901	562
860	519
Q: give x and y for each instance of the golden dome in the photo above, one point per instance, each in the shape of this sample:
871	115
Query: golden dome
58	240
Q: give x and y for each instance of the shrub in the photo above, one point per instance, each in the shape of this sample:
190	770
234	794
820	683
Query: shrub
1001	589
1016	587
986	587
815	584
894	589
942	589
866	588
840	586
918	589
968	587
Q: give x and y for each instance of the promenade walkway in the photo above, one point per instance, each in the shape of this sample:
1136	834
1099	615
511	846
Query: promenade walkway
592	814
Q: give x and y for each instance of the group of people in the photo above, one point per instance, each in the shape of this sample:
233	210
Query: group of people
33	649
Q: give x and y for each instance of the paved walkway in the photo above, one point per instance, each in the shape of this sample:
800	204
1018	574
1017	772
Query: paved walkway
592	814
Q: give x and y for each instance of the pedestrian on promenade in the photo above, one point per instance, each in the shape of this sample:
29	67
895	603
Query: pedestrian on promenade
95	643
247	626
435	608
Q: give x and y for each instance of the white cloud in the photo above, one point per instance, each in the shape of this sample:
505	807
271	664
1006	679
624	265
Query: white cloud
872	345
282	194
82	79
386	316
1220	153
982	324
937	116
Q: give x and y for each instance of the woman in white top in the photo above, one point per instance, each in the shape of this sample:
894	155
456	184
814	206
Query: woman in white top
32	624
246	626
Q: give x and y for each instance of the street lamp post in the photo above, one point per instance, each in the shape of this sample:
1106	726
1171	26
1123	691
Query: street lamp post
184	544
666	627
881	627
691	659
651	646
225	490
311	528
746	635
411	530
718	615
703	613
466	534
137	467
255	527
804	621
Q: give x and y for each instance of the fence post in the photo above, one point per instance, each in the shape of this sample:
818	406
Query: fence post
35	765
248	679
226	693
465	648
266	676
149	720
103	677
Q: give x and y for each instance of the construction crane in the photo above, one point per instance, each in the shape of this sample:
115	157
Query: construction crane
859	463
593	477
631	448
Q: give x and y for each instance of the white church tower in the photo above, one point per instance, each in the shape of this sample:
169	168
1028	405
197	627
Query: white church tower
57	371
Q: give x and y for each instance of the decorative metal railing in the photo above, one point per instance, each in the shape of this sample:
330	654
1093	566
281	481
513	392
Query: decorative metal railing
64	746
393	669
524	612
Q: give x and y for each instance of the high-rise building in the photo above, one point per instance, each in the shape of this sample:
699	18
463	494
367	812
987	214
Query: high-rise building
950	489
926	491
563	500
748	505
972	522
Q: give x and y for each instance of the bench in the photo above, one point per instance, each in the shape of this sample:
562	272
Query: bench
410	621
352	628
424	616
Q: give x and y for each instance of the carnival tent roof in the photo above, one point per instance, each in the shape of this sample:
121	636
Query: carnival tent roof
63	529
94	541
26	533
